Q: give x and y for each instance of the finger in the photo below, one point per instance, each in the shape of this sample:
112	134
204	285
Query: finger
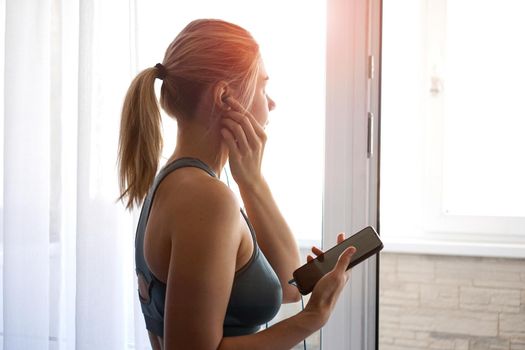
344	259
251	135
237	132
317	251
246	117
340	237
230	141
234	104
236	115
259	130
309	258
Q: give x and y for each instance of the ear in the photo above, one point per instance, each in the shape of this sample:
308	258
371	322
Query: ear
221	90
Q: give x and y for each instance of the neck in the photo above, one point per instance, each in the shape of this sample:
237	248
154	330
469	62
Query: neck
196	141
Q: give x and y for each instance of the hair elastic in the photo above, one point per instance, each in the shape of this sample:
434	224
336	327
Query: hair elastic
161	74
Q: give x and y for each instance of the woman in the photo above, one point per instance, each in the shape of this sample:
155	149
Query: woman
205	280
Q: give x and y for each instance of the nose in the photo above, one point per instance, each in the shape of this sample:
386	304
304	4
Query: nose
271	103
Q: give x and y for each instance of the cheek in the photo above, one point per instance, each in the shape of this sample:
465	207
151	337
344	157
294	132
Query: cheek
263	114
260	110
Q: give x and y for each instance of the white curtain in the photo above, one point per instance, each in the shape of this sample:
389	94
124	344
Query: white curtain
66	244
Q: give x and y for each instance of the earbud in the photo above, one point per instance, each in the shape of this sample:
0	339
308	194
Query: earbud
225	104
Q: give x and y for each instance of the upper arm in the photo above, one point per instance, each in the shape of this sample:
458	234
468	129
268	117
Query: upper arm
201	270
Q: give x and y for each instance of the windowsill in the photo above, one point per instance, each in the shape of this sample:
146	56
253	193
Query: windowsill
434	247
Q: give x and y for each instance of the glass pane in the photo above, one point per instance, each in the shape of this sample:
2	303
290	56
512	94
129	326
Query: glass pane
484	114
402	120
293	50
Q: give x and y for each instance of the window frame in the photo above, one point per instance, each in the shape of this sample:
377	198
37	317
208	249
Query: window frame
351	172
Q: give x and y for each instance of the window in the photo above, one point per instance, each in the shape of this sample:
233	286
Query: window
451	125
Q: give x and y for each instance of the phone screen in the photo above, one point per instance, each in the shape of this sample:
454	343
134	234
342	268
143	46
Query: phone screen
366	242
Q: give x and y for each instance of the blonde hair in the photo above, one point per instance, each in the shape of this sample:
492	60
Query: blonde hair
204	53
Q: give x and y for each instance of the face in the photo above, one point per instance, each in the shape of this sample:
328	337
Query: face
262	103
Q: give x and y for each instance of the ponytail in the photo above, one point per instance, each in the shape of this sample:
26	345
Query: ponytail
140	141
205	52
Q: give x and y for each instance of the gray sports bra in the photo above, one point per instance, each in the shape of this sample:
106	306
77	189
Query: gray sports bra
256	294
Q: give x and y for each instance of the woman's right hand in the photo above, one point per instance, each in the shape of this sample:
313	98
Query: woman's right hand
329	287
245	139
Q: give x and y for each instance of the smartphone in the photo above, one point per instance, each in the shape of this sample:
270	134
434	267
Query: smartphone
366	242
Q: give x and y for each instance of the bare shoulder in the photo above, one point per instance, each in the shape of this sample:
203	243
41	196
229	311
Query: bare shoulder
192	200
192	213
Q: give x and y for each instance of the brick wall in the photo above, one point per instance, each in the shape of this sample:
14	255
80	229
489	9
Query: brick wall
449	303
